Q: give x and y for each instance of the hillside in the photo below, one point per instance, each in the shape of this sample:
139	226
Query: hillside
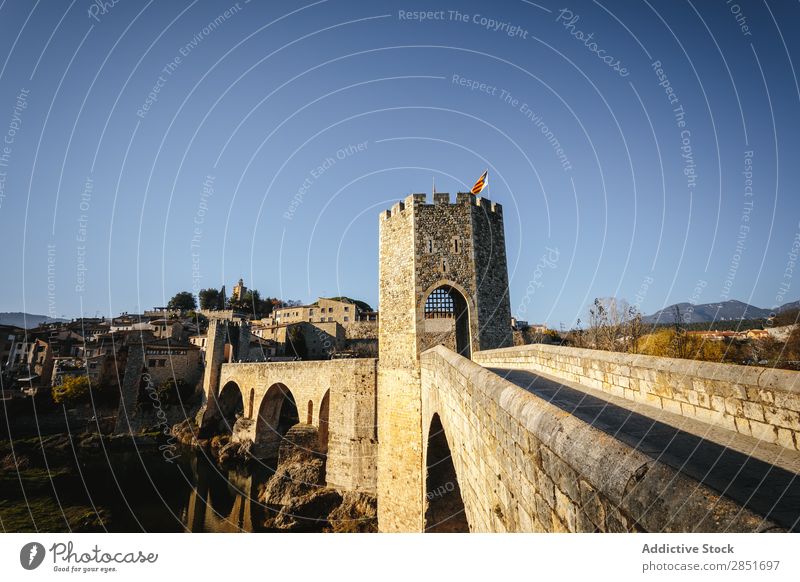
731	310
25	320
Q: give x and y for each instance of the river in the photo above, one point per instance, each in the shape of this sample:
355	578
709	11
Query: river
127	491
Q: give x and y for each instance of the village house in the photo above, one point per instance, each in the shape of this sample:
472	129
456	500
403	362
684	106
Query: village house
10	336
165	360
167	329
339	309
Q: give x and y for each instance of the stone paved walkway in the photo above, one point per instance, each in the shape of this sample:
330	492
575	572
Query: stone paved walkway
758	475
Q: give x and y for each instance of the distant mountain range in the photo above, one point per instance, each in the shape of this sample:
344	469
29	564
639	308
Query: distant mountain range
26	320
730	310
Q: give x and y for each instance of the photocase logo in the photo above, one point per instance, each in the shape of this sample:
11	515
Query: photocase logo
31	555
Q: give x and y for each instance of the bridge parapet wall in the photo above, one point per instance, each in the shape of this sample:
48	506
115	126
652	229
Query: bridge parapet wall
525	465
755	401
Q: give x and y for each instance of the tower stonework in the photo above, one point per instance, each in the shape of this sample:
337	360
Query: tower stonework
441	265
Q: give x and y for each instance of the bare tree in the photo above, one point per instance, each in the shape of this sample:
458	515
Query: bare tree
614	325
679	344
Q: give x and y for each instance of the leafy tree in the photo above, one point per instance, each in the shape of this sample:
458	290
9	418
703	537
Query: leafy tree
73	389
209	298
252	302
183	301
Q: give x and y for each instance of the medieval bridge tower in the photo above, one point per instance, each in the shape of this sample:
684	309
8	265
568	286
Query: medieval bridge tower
443	278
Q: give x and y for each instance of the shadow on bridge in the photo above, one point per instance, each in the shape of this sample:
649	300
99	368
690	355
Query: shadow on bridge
763	488
444	512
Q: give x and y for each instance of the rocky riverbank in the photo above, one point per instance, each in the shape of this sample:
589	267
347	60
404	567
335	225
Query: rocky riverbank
295	497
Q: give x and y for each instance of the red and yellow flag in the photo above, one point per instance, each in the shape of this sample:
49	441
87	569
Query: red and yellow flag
482	182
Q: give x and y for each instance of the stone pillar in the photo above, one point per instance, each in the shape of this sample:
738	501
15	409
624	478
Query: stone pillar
215	355
127	413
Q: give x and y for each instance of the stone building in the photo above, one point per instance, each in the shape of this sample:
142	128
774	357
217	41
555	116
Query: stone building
342	310
238	291
42	361
439	262
10	336
199	340
311	341
167	329
165	360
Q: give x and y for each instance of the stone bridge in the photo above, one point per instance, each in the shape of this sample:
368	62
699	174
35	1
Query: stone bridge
545	439
259	402
480	436
510	448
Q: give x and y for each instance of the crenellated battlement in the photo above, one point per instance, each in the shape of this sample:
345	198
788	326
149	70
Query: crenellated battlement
440	198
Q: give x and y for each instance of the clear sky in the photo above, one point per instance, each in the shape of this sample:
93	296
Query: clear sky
646	150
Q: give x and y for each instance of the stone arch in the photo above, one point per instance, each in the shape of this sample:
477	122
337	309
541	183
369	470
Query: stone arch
276	415
444	506
324	420
230	406
444	316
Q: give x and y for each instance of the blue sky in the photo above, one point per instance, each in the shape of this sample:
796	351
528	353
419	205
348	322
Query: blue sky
204	135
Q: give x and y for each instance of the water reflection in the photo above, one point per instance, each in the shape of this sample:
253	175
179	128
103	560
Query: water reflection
224	501
132	492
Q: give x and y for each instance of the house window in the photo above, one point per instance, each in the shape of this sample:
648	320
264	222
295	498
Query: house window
151	363
346	308
346	318
330	319
429	245
444	266
456	246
